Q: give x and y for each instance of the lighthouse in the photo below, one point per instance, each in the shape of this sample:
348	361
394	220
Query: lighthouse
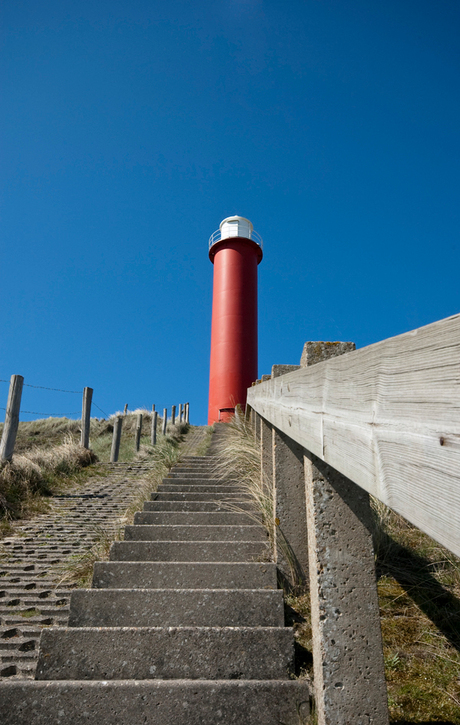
235	250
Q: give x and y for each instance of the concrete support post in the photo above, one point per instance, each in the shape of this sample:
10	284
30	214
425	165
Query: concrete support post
266	452
290	509
257	420
349	676
250	416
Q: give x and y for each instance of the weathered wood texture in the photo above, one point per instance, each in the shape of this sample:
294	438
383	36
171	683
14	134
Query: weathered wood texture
137	437
116	437
86	416
10	427
387	416
153	433
165	421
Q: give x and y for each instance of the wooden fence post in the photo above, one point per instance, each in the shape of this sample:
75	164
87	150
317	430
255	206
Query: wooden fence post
125	411
116	439
86	416
180	412
10	427
187	406
165	420
153	437
138	431
173	415
153	407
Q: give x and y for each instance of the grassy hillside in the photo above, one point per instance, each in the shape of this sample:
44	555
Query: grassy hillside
48	458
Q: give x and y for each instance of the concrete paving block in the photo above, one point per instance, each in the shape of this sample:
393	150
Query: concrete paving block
194	533
176	608
196	653
183	575
157	702
190	551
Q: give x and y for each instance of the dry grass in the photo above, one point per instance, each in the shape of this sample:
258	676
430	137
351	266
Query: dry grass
48	456
419	596
239	462
206	442
101	434
78	570
38	472
44	432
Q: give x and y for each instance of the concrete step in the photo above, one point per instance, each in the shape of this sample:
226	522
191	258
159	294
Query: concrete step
196	506
195	653
176	608
193	471
155	702
188	575
177	473
193	496
192	518
217	551
196	488
197	532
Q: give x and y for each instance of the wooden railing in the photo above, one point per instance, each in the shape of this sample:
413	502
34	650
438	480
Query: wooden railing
383	420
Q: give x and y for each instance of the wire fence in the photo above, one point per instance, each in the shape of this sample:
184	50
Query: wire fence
55	390
14	411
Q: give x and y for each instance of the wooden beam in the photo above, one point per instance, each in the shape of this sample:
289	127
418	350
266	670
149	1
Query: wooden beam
387	417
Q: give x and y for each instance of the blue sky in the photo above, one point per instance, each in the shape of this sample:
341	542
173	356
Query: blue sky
130	129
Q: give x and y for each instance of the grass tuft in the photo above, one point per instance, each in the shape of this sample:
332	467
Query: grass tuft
38	472
239	462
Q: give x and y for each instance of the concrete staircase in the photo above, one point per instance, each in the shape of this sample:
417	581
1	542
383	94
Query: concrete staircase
184	624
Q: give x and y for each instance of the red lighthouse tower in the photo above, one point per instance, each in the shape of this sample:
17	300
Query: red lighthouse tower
235	250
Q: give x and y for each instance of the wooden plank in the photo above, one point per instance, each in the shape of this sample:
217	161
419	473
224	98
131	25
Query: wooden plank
387	417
